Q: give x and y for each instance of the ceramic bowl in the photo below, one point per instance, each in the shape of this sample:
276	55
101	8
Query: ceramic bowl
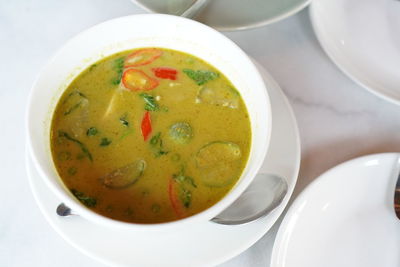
230	15
150	30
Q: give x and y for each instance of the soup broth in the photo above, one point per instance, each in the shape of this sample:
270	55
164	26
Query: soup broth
150	135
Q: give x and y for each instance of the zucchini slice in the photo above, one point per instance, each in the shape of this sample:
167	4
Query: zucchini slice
215	160
219	96
125	176
181	132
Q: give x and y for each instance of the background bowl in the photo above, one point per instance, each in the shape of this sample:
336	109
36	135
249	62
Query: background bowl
143	31
230	15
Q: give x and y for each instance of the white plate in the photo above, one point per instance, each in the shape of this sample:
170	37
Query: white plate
230	15
362	37
205	244
345	218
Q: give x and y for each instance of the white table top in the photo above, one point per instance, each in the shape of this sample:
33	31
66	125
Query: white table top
338	119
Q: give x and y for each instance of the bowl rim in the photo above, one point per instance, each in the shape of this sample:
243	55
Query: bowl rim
206	214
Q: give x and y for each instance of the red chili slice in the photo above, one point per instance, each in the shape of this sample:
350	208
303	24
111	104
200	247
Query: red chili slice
146	126
136	80
165	73
142	57
173	197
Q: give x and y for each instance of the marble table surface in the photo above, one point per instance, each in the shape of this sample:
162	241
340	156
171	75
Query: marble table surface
338	120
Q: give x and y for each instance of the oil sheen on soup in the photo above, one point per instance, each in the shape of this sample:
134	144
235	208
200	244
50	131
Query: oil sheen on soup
150	135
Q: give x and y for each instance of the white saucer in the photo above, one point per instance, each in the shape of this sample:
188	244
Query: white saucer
362	37
231	15
204	244
345	218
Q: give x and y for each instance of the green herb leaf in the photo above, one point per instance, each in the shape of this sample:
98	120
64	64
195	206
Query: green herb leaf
92	67
184	182
128	132
105	141
176	157
124	121
118	66
129	212
150	102
201	76
72	171
186	197
79	101
190	180
86	200
155	139
157	144
91	131
182	179
72	94
155	208
77	105
160	153
79	143
80	156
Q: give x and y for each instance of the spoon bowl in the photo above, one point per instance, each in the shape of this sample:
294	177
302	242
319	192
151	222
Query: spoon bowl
263	195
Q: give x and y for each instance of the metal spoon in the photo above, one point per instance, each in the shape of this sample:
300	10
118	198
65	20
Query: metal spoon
195	8
397	198
64	210
263	195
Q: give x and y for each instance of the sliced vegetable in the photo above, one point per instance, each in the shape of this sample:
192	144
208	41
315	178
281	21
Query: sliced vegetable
76	141
151	104
173	198
86	200
91	131
142	57
146	126
219	96
201	76
181	132
125	176
165	73
214	160
137	80
105	141
118	66
157	145
217	153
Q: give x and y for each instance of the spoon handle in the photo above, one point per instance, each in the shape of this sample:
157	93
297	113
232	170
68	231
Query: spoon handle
397	198
196	7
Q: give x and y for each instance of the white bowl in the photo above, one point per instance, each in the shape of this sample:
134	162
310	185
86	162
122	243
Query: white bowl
136	31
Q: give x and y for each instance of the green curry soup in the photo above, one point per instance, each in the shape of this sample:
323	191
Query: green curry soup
150	135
